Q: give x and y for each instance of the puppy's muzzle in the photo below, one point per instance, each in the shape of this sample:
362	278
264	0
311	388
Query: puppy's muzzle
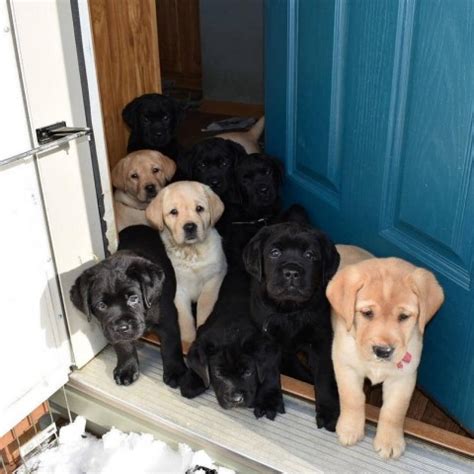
190	229
383	352
233	399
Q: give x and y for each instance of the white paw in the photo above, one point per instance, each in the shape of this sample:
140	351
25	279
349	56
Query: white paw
188	336
349	431
389	445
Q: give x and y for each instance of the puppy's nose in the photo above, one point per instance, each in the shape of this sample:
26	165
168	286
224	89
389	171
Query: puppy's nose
150	189
123	327
291	273
190	227
214	181
383	352
263	189
237	397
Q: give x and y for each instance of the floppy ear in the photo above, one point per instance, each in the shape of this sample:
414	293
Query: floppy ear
216	206
168	165
151	278
119	174
154	211
79	292
430	295
252	254
198	362
342	292
130	112
265	354
278	169
330	255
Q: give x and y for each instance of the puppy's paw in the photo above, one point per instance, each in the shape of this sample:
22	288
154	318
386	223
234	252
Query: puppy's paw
188	335
269	405
172	374
390	444
327	416
350	430
127	373
191	385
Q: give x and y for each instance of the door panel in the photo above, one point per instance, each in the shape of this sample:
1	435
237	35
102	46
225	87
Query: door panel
54	92
371	106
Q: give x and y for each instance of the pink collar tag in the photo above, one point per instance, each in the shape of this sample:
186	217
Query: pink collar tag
406	359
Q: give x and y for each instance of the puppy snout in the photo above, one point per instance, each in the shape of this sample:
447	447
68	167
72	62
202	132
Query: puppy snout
214	182
291	273
383	352
122	326
237	397
190	228
263	189
151	190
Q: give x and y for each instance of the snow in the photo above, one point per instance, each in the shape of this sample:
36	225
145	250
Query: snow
116	452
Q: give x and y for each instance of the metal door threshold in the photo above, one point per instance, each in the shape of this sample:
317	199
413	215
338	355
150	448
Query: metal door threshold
291	443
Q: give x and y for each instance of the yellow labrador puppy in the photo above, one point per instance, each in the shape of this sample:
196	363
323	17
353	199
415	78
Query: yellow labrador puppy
380	309
248	139
137	179
185	213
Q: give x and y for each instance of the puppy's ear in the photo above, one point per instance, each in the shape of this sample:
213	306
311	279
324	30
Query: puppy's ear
197	360
169	167
430	295
154	211
119	174
330	255
216	206
234	150
265	354
342	292
130	112
151	278
252	254
79	293
278	170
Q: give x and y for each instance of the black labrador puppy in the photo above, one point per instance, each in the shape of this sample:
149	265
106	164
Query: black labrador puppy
212	162
258	179
153	120
291	264
232	355
131	292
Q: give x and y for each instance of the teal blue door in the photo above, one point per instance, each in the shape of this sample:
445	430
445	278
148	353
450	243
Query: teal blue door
371	105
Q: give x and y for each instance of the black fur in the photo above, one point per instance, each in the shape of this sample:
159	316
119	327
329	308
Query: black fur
212	162
153	120
130	292
291	265
234	357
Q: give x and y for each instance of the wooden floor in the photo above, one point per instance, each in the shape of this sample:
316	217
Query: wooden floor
421	407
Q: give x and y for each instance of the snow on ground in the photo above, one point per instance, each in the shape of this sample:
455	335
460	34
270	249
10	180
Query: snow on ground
116	452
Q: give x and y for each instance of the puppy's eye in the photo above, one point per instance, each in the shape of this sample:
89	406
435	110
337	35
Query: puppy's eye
134	176
367	313
275	253
310	255
247	372
133	299
403	317
224	164
174	212
156	170
101	306
165	118
199	209
267	171
203	164
146	120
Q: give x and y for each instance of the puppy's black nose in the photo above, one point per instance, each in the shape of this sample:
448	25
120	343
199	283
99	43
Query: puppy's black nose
123	327
291	273
190	227
263	189
214	181
150	189
383	352
237	397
